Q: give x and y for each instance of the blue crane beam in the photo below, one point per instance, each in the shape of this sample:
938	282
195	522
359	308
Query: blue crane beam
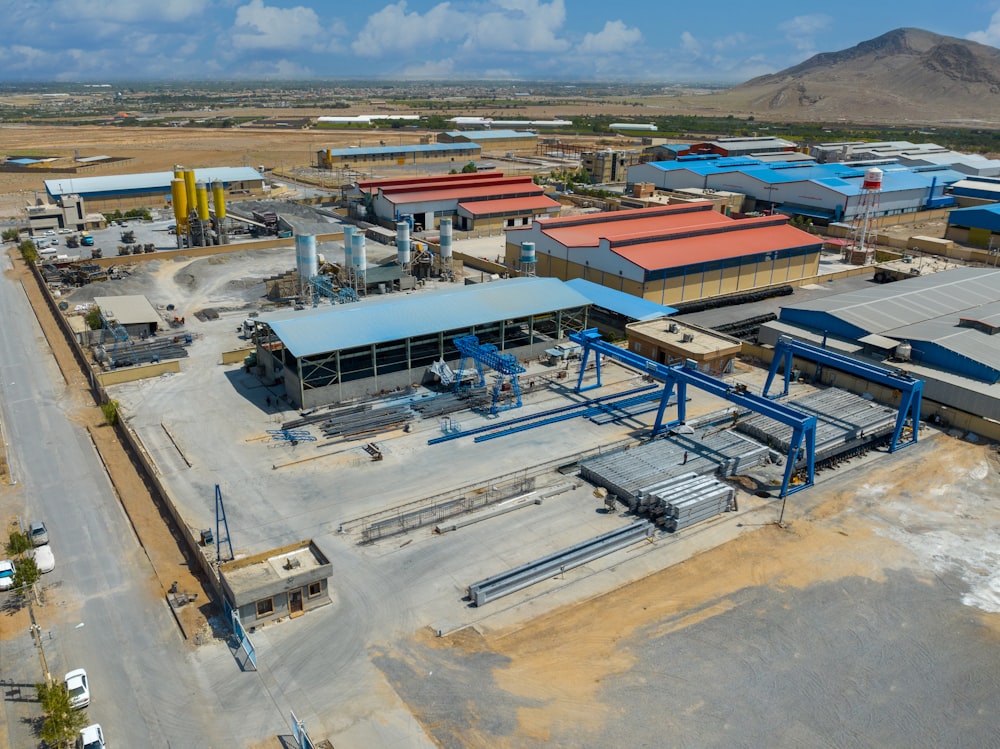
909	388
505	365
679	376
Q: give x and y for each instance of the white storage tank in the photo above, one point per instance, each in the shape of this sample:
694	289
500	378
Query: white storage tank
445	238
359	252
348	233
403	243
527	252
306	261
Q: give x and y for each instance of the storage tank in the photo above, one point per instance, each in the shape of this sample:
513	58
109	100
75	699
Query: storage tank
403	243
202	193
873	179
178	172
348	233
178	194
219	199
189	181
527	252
446	238
359	252
903	351
306	261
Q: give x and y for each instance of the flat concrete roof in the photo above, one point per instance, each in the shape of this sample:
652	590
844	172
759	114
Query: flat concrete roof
131	309
263	574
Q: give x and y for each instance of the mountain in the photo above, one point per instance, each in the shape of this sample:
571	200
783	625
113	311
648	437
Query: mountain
906	75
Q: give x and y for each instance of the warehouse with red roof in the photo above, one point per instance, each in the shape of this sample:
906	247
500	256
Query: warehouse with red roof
483	200
670	254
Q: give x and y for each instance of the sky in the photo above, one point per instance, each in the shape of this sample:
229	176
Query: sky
640	40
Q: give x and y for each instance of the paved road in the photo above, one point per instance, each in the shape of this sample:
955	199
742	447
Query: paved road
101	609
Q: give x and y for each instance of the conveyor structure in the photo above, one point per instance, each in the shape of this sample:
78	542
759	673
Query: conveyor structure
679	376
909	388
324	286
503	365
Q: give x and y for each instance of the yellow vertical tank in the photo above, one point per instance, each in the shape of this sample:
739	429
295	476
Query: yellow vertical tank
179	195
202	193
178	172
192	199
219	199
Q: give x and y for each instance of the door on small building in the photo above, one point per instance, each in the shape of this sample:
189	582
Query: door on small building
295	602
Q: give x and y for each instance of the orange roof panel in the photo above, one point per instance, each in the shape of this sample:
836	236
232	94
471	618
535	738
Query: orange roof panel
643	222
509	205
754	239
505	190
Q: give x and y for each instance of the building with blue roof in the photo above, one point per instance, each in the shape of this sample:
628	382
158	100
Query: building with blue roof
822	192
398	155
331	354
977	225
124	191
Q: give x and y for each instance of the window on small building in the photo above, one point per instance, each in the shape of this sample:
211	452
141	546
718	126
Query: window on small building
315	589
265	607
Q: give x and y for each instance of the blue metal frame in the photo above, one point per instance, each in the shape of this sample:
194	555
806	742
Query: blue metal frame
679	376
505	365
220	522
910	389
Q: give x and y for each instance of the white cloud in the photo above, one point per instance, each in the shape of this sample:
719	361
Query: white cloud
991	34
519	26
800	30
614	37
259	26
129	11
689	44
430	70
21	57
392	30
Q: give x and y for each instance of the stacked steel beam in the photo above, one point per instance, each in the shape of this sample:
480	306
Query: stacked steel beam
686	500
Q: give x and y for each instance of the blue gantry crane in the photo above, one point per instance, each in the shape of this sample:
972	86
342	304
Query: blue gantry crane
679	376
910	390
504	366
325	286
121	340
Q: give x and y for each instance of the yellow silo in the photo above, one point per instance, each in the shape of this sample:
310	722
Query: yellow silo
179	196
192	198
219	199
202	193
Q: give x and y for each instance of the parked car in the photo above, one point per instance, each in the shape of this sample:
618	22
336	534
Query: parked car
45	560
6	574
78	688
50	232
91	737
38	533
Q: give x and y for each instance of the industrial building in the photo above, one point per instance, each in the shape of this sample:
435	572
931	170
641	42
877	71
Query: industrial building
671	254
132	311
124	191
975	191
821	192
940	328
495	141
907	154
670	341
429	153
473	201
331	354
277	583
977	225
608	165
68	212
724	147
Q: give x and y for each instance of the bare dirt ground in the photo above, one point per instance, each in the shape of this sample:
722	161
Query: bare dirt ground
846	628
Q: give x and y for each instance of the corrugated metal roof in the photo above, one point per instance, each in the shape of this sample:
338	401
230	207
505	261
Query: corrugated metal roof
511	186
491	134
618	301
977	217
128	309
884	309
428	182
634	223
394	317
509	205
388	150
145	181
751	240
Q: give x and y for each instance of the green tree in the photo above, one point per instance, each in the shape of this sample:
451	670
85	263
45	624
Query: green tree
28	251
110	409
62	723
26	574
93	318
10	235
17	543
469	168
